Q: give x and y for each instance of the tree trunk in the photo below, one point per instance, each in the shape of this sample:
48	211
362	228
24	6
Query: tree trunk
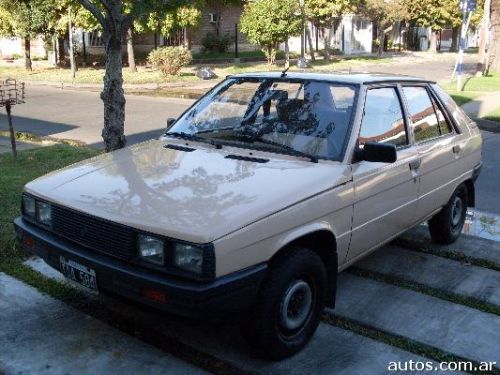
60	51
494	50
112	94
433	42
381	37
27	54
287	54
309	41
327	39
455	36
72	61
130	50
11	131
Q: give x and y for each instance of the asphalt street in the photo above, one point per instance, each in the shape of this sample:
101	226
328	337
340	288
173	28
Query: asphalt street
78	115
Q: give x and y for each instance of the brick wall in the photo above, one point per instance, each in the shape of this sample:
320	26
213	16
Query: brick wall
229	15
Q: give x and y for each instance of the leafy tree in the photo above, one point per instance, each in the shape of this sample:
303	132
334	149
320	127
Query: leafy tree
115	18
385	13
114	23
166	20
439	14
24	19
270	22
327	13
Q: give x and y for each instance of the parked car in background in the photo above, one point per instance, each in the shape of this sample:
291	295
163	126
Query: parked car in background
257	196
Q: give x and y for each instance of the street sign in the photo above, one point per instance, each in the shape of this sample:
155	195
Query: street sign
468	5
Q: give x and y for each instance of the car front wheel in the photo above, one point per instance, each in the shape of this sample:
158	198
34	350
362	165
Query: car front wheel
289	305
445	227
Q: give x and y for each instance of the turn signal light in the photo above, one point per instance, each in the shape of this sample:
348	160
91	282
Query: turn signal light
28	241
154	295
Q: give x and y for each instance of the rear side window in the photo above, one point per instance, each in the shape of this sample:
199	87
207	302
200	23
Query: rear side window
458	114
444	126
383	118
425	123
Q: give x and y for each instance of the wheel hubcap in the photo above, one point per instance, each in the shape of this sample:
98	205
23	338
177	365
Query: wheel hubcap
296	305
456	211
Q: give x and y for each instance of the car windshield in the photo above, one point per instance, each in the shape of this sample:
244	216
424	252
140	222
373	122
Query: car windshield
285	116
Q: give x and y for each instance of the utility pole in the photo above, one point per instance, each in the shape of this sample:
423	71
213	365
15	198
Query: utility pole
302	32
71	51
481	56
467	7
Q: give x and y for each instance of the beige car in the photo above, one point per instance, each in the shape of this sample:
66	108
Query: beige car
257	196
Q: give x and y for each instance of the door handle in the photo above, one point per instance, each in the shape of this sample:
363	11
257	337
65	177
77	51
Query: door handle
456	149
414	164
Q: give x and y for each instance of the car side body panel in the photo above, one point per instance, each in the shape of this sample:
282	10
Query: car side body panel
260	241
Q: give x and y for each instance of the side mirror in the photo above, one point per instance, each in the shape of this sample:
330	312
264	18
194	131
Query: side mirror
170	122
379	152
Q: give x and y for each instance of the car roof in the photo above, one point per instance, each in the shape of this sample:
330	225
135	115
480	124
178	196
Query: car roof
338	77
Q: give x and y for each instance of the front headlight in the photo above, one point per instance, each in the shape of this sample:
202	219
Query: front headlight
151	249
44	213
28	205
188	257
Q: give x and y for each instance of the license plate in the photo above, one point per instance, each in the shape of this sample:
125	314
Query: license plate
78	273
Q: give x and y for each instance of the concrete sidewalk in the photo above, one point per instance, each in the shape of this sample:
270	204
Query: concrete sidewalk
483	105
41	335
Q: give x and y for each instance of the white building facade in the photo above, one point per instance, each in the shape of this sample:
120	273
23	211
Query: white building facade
354	35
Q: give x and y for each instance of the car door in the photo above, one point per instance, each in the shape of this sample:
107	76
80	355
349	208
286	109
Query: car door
385	194
438	148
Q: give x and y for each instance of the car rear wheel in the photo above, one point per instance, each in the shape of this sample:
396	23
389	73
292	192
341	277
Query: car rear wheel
445	227
288	307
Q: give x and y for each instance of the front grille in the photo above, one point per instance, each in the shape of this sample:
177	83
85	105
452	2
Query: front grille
97	234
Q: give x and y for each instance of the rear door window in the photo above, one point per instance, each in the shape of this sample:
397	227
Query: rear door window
423	117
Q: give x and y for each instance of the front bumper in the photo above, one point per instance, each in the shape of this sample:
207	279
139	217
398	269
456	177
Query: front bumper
228	294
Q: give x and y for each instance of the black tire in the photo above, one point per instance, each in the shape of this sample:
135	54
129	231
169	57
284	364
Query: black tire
445	227
278	326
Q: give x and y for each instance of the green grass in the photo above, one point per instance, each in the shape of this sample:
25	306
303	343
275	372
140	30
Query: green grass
14	175
493	116
488	83
92	75
462	97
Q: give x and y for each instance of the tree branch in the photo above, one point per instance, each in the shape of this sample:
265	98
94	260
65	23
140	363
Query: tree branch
106	4
92	8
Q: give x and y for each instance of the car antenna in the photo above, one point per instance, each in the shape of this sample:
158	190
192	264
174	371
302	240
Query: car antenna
283	73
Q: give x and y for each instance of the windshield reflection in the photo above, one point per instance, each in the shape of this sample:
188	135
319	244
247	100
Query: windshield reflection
307	117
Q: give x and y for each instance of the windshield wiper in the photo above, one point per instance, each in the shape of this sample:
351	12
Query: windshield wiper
193	137
286	149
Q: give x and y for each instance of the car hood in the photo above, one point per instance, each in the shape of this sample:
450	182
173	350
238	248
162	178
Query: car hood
195	196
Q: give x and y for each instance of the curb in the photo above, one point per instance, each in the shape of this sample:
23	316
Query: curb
488	125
